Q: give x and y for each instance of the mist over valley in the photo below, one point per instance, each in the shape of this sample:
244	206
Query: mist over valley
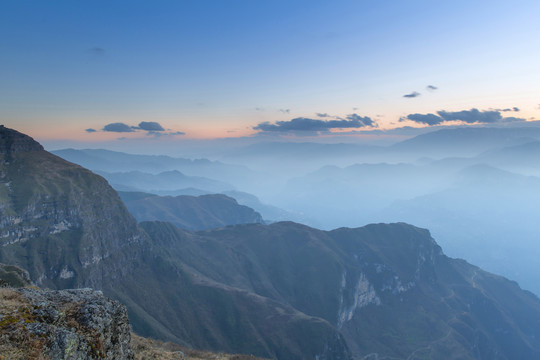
475	189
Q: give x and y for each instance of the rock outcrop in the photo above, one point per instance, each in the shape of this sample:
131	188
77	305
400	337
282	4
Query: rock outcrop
67	324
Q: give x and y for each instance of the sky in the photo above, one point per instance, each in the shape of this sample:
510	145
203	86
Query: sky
121	71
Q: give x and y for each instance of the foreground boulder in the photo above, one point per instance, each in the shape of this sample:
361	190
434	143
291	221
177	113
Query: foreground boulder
68	324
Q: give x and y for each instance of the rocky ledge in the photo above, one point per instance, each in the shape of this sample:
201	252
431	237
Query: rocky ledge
68	324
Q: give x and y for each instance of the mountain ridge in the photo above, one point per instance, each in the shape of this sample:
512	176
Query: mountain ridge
190	212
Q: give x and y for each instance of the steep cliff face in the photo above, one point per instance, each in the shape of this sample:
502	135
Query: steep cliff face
387	289
60	221
69	324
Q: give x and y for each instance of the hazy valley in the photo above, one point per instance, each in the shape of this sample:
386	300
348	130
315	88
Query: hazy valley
476	189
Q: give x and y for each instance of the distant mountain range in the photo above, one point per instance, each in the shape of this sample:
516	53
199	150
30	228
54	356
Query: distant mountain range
168	181
284	290
466	141
202	174
301	157
190	212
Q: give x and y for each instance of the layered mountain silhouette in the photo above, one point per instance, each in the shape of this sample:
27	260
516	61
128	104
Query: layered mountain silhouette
283	291
190	212
170	175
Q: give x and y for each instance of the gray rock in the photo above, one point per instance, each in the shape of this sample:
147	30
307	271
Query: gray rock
74	324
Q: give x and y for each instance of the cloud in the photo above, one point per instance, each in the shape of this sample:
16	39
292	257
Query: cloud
516	109
431	88
473	116
150	126
428	119
96	50
300	125
90	130
118	127
512	119
412	95
285	111
323	115
363	120
158	134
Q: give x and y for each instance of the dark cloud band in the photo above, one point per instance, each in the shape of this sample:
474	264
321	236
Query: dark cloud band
118	127
315	125
151	128
473	116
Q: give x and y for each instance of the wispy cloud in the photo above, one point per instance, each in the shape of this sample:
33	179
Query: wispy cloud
97	51
90	130
285	111
431	88
412	95
515	109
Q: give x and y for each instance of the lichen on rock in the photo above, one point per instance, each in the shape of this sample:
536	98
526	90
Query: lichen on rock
68	324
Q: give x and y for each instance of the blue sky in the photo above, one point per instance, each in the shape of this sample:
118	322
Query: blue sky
204	69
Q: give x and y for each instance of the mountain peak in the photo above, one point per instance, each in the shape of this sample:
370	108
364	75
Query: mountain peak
12	141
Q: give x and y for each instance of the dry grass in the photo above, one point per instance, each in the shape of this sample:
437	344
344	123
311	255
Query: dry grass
149	349
16	343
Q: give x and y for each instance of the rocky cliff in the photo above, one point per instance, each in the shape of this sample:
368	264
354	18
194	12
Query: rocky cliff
63	224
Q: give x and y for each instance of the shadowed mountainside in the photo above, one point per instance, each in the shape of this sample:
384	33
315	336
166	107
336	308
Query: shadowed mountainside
387	288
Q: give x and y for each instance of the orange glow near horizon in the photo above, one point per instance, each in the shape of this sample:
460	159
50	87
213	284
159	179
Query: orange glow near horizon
216	128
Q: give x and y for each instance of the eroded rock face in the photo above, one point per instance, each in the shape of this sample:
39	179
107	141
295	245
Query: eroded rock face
68	324
63	224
